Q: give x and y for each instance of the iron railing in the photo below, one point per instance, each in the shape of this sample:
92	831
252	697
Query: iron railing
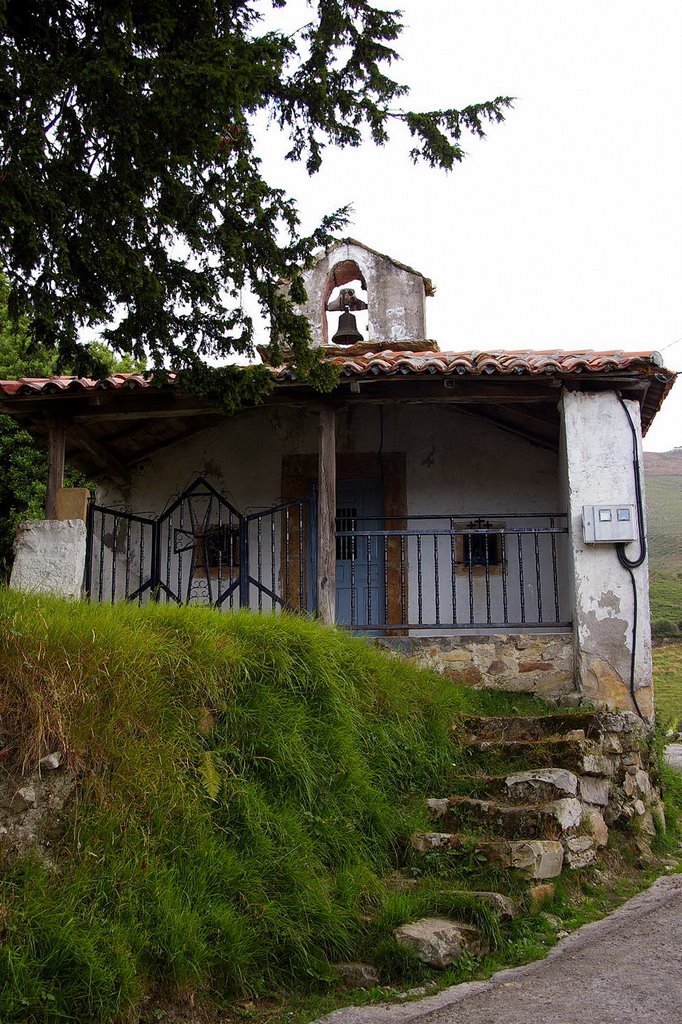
444	572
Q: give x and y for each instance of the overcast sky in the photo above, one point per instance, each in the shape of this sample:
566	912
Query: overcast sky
564	228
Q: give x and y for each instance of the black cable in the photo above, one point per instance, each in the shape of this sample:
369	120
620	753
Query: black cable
633	563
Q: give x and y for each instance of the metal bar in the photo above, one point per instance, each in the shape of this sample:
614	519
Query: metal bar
420	596
259	521
100	593
114	544
385	579
470	579
540	627
555	572
273	554
538	574
369	580
287	559
88	551
437	579
503	552
353	610
127	569
521	581
453	570
403	593
300	557
243	563
487	579
141	574
312	541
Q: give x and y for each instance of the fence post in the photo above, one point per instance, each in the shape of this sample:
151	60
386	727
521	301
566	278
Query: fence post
243	562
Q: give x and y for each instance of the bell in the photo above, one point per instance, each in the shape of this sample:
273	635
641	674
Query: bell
347	332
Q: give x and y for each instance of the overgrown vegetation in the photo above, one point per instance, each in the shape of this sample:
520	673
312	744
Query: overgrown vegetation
247	788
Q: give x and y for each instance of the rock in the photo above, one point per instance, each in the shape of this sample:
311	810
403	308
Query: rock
579	851
357	975
501	904
552	921
438	806
638	807
51	760
24	799
611	744
594	790
598	764
594	819
568	812
541	894
558	778
533	858
423	842
439	942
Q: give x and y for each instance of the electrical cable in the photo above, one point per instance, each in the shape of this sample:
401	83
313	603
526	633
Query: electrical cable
633	563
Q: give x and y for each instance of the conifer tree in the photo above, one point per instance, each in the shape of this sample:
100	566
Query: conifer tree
132	197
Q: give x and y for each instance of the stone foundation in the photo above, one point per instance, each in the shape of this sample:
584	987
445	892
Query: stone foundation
540	664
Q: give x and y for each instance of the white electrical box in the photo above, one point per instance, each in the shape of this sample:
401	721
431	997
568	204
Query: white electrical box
609	524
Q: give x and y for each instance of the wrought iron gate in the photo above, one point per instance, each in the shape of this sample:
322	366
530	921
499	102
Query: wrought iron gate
203	550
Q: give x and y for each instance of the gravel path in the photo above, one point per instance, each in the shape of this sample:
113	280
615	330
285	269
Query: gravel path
625	969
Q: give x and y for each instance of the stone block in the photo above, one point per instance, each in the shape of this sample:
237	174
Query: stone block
49	557
594	820
423	842
595	790
533	858
72	503
599	764
579	851
439	942
568	812
522	784
354	975
501	904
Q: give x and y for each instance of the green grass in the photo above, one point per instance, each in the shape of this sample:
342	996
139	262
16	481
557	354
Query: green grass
664	514
247	789
668	684
665	591
246	783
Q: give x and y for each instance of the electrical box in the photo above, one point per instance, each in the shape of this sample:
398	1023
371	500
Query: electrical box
609	524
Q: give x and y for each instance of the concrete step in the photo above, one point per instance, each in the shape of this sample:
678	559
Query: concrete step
539	785
532	858
531	727
522	821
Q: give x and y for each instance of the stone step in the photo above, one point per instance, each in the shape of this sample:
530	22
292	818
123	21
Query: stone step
553	752
531	727
533	858
539	785
522	821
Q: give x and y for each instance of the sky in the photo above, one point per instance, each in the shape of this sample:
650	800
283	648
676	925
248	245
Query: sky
563	229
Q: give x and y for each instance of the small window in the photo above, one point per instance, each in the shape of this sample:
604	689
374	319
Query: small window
480	548
218	548
346	547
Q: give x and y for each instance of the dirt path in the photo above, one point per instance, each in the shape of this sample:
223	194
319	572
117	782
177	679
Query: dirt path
626	969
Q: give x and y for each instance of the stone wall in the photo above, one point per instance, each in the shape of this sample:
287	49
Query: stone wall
540	664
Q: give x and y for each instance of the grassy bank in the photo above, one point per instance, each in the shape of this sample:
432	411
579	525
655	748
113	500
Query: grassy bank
247	787
244	785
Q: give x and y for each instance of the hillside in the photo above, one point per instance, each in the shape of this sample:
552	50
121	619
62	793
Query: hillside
663	482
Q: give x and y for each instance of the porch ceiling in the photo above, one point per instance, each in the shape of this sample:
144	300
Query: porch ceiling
114	424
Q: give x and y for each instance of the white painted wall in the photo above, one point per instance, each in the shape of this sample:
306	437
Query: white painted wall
598	468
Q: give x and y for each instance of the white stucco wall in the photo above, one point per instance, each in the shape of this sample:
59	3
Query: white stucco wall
598	468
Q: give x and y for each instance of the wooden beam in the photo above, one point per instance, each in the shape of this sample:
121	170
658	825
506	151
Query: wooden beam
56	445
109	465
326	517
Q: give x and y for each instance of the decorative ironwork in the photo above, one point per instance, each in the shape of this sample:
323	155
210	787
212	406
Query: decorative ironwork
203	550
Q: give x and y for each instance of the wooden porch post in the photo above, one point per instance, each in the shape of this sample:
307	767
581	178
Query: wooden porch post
326	518
55	466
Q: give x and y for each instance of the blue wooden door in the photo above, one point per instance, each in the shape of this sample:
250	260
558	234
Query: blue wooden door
359	560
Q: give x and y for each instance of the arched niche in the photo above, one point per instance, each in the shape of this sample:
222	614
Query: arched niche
345	274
